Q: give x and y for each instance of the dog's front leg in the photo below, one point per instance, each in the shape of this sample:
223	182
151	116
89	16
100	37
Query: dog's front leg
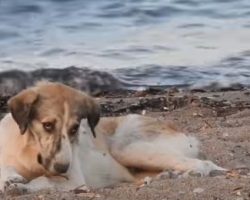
32	186
74	179
9	176
42	183
12	182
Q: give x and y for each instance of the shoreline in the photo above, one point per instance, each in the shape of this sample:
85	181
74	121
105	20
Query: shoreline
220	120
95	81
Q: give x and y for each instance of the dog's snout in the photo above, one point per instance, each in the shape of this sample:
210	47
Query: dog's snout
61	168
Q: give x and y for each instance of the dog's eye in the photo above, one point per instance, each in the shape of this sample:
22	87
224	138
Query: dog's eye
48	126
74	129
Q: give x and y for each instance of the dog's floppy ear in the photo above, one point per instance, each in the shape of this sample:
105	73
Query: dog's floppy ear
91	111
93	117
20	107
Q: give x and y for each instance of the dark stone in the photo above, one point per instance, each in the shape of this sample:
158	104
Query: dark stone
91	81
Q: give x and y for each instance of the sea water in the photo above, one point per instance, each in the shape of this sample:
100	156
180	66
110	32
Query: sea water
141	42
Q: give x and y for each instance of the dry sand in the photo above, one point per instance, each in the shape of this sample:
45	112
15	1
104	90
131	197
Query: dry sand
221	120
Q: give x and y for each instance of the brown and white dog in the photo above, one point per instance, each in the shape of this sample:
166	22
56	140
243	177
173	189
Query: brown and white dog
48	141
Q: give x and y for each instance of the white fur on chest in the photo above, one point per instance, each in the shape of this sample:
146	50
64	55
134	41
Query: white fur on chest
98	166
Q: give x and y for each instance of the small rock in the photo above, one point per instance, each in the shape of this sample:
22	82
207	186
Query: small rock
198	190
238	193
81	189
231	154
147	180
165	108
195	114
225	135
41	197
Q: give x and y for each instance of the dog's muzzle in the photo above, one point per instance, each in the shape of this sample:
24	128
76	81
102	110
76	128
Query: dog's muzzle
61	168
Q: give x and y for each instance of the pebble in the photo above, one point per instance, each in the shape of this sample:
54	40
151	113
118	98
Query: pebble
198	190
147	180
225	135
238	193
165	108
81	189
41	197
195	114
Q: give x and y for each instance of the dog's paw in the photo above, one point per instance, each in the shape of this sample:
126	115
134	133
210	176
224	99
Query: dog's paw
14	179
16	189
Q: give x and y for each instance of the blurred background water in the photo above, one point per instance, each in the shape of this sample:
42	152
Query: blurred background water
142	42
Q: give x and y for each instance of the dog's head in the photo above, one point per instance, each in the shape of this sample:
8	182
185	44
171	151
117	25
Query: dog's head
51	114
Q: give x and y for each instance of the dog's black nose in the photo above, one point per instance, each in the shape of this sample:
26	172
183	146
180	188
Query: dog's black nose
61	168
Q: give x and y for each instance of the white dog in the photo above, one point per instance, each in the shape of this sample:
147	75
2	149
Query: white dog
48	141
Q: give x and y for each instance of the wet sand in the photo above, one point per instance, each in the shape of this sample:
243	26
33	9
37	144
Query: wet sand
221	121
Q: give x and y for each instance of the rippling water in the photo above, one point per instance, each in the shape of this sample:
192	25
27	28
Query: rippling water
144	42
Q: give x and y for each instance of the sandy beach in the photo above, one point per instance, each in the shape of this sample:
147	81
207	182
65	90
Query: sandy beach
192	55
221	121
